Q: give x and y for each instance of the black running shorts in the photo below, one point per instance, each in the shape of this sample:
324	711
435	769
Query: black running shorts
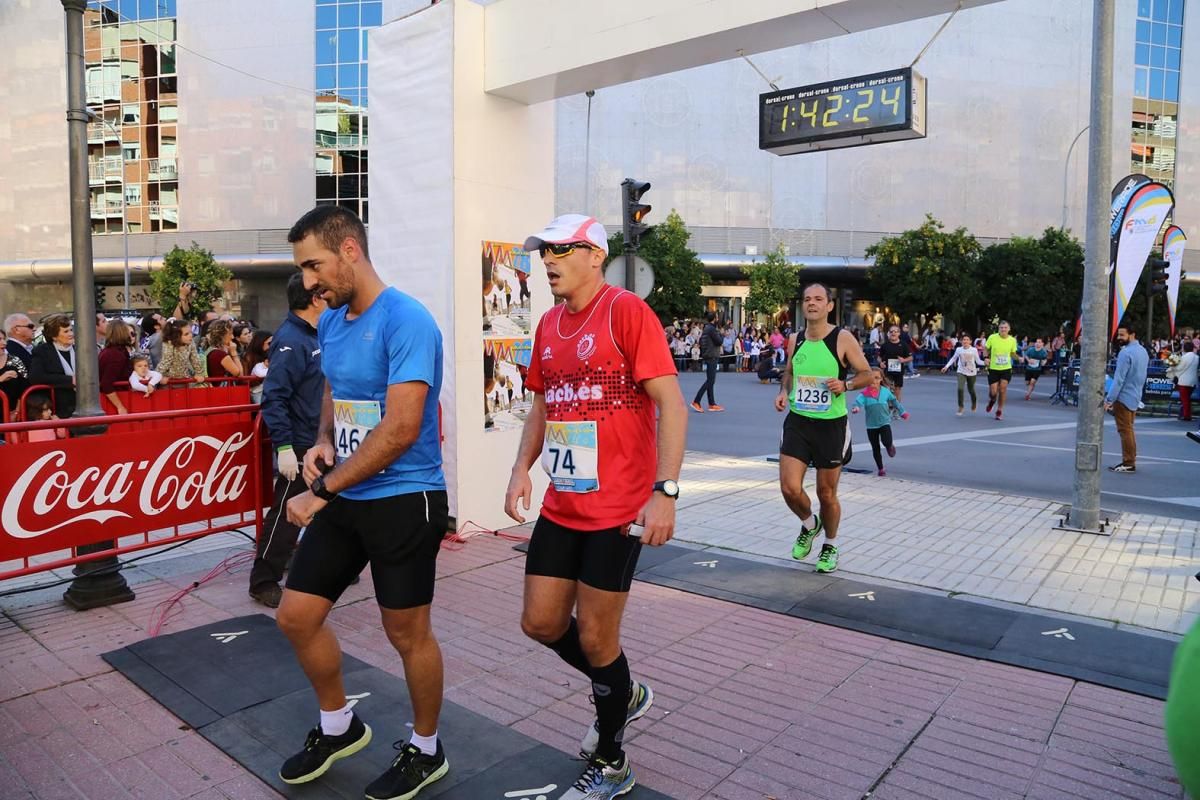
1032	374
997	375
897	379
820	443
602	559
399	536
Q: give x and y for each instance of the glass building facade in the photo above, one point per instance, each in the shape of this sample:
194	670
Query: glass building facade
132	85
1157	57
341	102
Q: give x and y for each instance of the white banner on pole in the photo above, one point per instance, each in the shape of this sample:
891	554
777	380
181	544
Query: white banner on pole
1147	211
1173	244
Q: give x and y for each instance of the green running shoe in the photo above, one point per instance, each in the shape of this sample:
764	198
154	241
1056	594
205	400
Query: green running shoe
803	545
827	561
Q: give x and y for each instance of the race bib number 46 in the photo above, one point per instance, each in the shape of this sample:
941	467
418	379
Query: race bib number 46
352	421
811	394
570	456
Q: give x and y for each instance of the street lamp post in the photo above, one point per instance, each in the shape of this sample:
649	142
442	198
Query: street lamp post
1066	168
97	582
1089	430
124	215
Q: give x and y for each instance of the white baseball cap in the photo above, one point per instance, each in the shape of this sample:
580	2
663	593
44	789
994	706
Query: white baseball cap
570	228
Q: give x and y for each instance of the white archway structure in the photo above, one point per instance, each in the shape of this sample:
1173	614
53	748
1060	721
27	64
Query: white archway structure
462	152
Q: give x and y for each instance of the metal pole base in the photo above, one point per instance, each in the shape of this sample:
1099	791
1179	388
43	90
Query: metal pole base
1104	529
90	590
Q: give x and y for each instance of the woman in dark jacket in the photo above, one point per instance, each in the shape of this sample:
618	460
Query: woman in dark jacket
53	363
114	362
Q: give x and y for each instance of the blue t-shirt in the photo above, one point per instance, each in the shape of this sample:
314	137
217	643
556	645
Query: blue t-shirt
394	341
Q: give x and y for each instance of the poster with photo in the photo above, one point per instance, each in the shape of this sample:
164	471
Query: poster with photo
506	402
505	289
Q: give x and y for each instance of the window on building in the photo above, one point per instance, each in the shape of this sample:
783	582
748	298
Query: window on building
341	84
1158	41
130	66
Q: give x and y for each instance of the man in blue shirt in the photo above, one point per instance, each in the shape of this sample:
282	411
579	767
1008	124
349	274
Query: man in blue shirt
376	496
1125	394
291	408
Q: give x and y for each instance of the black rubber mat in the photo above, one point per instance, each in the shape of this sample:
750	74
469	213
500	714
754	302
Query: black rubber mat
1116	658
238	684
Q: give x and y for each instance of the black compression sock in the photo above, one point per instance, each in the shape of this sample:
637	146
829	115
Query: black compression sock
569	649
610	690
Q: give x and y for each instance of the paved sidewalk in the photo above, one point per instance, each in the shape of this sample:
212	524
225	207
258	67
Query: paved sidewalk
750	705
960	540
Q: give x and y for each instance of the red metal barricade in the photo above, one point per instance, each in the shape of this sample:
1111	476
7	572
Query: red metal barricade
153	479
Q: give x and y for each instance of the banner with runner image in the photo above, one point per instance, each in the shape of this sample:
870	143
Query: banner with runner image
1148	209
506	297
1173	247
1121	194
506	402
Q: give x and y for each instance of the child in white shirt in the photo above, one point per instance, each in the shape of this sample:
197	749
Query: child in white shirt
143	379
969	360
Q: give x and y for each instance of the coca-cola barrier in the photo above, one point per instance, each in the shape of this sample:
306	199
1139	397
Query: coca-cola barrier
154	478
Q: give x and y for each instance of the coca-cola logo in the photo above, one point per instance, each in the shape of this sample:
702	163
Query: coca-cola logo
189	470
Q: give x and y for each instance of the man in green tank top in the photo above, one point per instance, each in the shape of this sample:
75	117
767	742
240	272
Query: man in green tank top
816	431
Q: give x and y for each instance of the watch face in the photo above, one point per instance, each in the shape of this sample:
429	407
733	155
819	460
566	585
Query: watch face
670	488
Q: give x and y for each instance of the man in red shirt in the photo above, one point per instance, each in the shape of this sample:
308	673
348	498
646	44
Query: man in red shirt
600	370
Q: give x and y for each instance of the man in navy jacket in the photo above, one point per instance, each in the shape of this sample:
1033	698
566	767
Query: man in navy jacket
291	408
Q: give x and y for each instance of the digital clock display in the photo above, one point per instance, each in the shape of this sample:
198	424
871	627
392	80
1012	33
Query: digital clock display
884	106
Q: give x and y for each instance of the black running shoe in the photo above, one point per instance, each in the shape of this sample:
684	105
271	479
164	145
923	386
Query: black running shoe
321	750
410	772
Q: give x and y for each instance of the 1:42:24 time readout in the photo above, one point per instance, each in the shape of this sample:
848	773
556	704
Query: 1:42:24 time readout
864	108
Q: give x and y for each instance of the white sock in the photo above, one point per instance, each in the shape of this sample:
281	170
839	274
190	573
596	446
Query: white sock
809	523
426	744
335	723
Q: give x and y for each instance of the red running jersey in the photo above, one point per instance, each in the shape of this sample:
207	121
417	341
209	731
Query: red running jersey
600	446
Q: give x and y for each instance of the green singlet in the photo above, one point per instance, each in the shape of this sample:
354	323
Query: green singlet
812	364
1183	711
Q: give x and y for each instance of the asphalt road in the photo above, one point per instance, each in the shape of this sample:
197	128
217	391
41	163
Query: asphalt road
1030	452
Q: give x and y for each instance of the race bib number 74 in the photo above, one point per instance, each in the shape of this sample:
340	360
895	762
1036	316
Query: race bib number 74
570	456
352	421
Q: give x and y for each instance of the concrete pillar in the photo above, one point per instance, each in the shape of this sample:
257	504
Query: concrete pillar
451	167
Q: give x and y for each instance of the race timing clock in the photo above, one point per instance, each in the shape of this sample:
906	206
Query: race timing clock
881	107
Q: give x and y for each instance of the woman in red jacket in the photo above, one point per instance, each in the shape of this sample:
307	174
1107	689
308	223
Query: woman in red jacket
114	362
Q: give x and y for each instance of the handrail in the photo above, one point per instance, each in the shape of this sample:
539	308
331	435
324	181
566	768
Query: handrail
111	419
169	383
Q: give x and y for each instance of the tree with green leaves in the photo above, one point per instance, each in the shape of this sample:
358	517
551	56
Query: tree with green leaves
678	271
1035	284
928	271
774	283
195	265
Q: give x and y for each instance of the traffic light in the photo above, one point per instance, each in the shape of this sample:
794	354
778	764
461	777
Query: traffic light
633	212
1158	275
100	294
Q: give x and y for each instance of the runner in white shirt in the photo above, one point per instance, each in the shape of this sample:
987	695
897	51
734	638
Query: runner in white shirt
968	361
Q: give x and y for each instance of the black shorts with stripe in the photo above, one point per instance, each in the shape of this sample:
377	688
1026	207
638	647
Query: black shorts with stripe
820	443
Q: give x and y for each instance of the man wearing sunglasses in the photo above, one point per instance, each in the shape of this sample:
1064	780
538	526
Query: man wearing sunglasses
600	372
20	336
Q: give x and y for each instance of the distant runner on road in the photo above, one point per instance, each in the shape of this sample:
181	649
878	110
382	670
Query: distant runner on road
999	350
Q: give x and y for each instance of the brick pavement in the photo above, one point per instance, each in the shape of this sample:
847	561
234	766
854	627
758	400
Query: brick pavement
982	544
750	705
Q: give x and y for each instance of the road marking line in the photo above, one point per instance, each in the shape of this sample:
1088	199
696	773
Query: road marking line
1072	450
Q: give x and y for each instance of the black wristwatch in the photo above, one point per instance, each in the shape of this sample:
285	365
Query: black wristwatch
668	487
317	487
